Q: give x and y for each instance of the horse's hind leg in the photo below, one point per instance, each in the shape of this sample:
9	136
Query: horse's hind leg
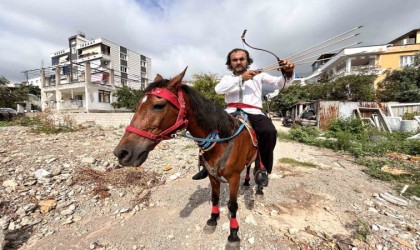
247	176
215	213
233	239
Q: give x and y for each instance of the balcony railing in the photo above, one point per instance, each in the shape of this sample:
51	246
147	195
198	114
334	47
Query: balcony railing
76	104
407	41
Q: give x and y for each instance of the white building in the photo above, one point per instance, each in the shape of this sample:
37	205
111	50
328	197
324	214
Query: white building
84	76
376	60
35	81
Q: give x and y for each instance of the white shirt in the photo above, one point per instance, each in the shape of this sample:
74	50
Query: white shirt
252	90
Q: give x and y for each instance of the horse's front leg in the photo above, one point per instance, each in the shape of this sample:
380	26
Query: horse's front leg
215	213
233	239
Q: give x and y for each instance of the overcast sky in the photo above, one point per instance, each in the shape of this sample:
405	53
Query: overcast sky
197	34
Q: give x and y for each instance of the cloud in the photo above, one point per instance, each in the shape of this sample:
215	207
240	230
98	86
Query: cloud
198	34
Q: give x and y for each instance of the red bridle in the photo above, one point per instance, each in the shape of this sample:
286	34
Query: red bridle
181	121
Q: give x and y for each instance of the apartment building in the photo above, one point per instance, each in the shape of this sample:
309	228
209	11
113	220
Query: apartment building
85	75
377	59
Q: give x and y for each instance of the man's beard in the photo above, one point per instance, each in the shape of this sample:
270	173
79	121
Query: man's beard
239	70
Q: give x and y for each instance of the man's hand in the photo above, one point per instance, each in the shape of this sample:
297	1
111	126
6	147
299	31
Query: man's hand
288	65
249	74
287	68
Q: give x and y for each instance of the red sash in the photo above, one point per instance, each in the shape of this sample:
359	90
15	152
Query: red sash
241	105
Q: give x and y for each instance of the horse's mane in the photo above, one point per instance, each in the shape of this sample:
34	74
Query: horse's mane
208	115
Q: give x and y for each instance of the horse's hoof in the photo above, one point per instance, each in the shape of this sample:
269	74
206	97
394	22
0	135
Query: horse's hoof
233	243
209	229
259	191
246	183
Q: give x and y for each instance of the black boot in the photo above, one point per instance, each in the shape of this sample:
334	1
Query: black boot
203	173
261	178
260	174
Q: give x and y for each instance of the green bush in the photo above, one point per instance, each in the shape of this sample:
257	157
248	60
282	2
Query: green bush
352	126
304	134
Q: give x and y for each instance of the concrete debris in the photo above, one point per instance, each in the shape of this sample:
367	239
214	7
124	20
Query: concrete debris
393	199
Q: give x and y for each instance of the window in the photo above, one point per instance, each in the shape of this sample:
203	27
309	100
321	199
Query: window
123	82
123	56
123	69
143	63
104	96
406	60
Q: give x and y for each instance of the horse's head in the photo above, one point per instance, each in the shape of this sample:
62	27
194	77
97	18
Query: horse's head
155	119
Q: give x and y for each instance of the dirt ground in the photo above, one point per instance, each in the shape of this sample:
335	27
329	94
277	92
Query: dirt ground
331	206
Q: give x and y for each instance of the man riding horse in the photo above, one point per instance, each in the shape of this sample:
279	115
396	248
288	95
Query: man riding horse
243	90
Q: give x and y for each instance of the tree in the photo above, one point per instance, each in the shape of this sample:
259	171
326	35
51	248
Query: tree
128	98
10	96
204	84
353	88
347	88
402	85
3	81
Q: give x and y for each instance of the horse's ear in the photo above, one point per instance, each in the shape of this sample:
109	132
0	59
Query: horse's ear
176	81
158	78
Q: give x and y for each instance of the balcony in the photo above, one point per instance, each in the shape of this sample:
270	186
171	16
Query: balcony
92	56
359	70
75	104
407	41
365	70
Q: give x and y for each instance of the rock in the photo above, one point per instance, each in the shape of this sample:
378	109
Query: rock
47	205
293	230
250	220
174	176
56	170
9	183
251	240
42	173
167	168
393	199
29	207
51	160
6	160
89	160
374	227
25	221
4	222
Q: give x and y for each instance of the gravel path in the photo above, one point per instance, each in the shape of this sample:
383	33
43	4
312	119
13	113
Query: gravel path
55	193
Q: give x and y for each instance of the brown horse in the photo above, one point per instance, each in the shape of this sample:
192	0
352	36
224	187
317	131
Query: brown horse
170	106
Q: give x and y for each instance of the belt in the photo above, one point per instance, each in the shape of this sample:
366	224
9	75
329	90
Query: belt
241	105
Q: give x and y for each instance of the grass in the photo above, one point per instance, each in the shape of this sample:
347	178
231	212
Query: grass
44	122
6	123
294	162
361	230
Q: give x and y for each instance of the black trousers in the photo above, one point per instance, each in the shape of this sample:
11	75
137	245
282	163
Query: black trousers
267	138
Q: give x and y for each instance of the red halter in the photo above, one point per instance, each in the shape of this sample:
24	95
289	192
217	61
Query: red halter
181	121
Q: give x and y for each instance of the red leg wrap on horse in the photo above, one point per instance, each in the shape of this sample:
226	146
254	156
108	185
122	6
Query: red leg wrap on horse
215	210
234	223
